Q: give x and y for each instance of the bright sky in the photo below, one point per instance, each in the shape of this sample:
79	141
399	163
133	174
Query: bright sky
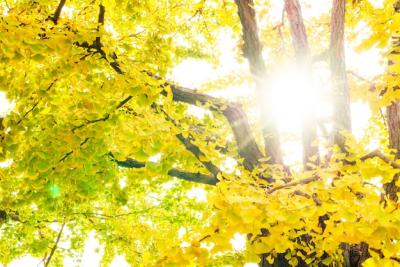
194	73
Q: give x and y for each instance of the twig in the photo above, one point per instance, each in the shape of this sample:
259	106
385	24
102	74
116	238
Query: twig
373	154
96	214
382	255
58	11
34	105
372	86
72	151
66	156
288	185
105	117
97	46
55	246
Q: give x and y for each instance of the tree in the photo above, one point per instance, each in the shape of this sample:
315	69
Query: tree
100	140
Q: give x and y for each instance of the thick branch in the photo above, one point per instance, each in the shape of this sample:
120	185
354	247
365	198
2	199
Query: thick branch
4	215
252	50
195	150
379	154
102	11
247	146
184	175
187	142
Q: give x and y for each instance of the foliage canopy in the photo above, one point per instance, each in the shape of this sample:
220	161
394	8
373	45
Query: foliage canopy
100	140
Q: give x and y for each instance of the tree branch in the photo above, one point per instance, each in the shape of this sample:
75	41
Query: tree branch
252	49
55	246
97	46
292	184
194	149
57	13
393	117
233	112
379	154
372	154
184	175
297	29
100	20
105	117
247	146
35	104
4	215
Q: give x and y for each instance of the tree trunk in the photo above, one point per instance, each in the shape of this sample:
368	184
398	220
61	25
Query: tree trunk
340	90
303	62
393	121
252	50
353	255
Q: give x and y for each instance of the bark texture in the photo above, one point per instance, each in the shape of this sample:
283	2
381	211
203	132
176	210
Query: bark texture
252	50
393	121
353	255
340	90
297	30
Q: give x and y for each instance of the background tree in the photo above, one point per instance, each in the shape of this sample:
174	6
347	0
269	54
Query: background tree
101	141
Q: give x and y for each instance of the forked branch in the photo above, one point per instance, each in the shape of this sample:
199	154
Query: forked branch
247	146
235	115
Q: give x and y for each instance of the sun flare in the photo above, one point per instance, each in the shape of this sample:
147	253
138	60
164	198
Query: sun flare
199	133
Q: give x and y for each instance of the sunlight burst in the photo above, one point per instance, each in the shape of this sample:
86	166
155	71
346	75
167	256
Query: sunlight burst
294	96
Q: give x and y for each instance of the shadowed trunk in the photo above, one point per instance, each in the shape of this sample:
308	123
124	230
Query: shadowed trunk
393	120
353	254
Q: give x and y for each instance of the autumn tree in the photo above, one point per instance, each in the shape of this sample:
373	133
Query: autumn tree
101	140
